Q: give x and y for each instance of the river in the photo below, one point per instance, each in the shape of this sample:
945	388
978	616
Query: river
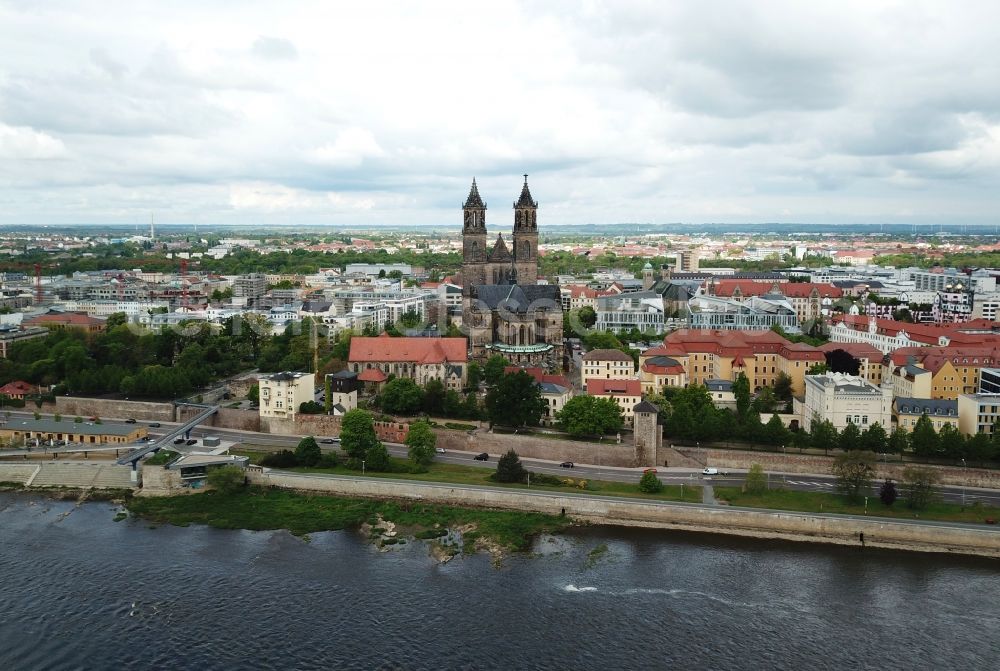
81	591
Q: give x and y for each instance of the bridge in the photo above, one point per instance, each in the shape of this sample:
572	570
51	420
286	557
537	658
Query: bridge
183	430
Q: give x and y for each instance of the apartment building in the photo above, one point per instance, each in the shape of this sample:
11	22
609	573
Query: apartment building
907	411
626	393
281	394
556	391
845	399
978	413
606	364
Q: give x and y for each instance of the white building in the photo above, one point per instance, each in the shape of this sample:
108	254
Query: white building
642	310
846	399
281	394
978	413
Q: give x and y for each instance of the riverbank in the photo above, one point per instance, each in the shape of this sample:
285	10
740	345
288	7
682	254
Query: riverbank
263	508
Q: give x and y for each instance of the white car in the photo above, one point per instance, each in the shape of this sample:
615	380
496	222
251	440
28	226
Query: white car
710	471
439	450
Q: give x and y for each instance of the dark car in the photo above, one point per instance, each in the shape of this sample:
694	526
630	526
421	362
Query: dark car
567	464
192	441
154	425
178	441
130	420
482	457
329	441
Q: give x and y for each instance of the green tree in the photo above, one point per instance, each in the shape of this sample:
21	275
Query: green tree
226	480
920	485
115	319
741	389
357	434
253	394
493	370
775	432
376	457
602	340
327	394
587	316
434	395
783	387
850	438
818	369
421	440
649	483
887	493
898	441
401	396
874	439
951	443
854	471
307	452
923	438
509	468
515	401
590	416
756	480
473	375
823	434
766	401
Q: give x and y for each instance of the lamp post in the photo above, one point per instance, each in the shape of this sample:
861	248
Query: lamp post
362	467
964	472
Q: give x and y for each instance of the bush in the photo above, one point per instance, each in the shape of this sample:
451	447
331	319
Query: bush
649	483
920	485
887	493
756	480
328	460
311	408
545	479
282	459
509	468
227	479
307	452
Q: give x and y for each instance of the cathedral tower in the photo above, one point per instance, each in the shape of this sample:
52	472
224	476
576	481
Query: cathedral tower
525	240
473	240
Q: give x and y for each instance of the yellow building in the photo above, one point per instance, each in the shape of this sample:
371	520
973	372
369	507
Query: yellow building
281	394
48	431
606	364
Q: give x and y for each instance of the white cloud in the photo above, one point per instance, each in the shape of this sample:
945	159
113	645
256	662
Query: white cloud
620	111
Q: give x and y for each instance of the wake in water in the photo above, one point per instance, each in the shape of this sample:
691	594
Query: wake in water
574	588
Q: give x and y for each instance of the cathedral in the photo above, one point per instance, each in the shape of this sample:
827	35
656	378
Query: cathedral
505	310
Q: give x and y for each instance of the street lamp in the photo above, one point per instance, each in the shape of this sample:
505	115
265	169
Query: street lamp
964	473
362	467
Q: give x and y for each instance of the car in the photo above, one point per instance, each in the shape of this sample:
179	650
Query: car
154	425
93	418
482	457
439	450
710	471
567	464
192	441
178	441
328	441
130	420
649	470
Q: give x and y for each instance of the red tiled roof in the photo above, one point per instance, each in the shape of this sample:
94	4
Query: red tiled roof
372	375
540	375
727	288
16	388
597	387
411	350
926	333
798	351
69	318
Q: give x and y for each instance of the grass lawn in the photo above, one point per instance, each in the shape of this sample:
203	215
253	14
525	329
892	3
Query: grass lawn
472	475
259	508
822	502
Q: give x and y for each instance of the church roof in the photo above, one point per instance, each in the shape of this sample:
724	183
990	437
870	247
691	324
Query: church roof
517	298
500	251
474	200
525	200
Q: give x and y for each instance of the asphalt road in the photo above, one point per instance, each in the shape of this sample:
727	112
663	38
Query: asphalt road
734	478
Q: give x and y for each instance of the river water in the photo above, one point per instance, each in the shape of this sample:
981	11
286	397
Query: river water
81	591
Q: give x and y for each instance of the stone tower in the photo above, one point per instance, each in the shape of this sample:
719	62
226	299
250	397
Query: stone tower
525	239
473	240
647	433
648	276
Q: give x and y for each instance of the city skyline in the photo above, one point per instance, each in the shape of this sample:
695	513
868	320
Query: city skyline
773	112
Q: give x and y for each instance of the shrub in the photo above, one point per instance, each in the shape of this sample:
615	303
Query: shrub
328	460
307	452
756	480
920	485
227	479
282	459
650	484
887	494
509	468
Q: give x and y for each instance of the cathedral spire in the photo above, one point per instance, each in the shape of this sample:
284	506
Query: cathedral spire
474	200
525	199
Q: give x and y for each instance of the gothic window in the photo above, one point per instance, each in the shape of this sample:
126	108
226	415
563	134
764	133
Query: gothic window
475	249
517	218
534	216
526	249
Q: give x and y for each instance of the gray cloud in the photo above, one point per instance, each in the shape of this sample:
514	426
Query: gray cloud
274	49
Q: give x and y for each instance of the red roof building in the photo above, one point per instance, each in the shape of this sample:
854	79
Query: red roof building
420	359
64	320
17	389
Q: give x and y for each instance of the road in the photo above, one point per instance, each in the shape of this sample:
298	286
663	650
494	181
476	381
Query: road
734	477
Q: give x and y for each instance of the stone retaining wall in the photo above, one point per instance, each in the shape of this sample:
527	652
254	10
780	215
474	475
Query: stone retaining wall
607	454
72	406
714	519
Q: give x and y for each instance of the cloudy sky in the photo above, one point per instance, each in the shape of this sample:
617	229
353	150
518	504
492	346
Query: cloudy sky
381	112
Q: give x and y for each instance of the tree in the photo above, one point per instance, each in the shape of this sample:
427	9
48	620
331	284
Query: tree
783	387
823	434
923	438
741	389
765	402
841	361
850	438
587	316
253	394
310	408
307	452
226	480
376	457
509	468
473	375
421	440
401	396
898	441
327	394
951	442
854	471
649	483
818	369
887	493
756	480
434	394
590	416
515	401
874	439
775	432
493	370
357	434
920	485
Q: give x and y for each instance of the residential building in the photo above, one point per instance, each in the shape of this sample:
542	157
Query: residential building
250	287
606	364
18	389
978	413
845	399
889	335
907	411
344	387
687	261
911	381
641	310
55	320
10	335
722	393
989	381
556	391
955	369
626	393
658	372
281	394
416	358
